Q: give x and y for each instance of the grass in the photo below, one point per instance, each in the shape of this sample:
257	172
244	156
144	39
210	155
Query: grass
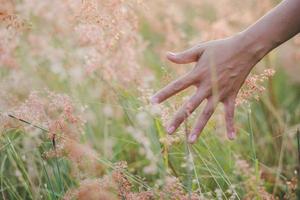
210	162
262	159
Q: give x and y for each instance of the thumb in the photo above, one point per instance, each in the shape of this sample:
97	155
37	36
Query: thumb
187	56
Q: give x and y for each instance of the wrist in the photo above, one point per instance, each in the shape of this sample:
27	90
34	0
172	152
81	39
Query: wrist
255	46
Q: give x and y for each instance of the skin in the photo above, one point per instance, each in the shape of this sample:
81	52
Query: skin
223	65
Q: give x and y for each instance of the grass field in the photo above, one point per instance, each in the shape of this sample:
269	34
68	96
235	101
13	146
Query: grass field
76	122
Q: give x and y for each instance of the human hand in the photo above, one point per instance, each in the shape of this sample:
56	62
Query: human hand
221	68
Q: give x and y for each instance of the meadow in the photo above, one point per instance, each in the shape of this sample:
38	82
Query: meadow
75	118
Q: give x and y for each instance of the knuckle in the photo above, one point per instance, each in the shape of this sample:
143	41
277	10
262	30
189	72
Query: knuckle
196	130
230	117
189	109
207	89
206	113
198	127
177	85
160	96
179	118
184	114
190	106
194	75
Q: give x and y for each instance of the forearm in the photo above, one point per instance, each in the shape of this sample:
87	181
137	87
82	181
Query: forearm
273	29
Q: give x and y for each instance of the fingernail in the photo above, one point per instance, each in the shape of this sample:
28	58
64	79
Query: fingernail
154	100
171	53
192	138
231	135
170	129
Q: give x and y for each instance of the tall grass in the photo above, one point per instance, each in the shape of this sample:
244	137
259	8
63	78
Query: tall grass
101	66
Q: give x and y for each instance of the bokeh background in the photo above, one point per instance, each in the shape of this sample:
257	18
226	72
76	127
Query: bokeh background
76	122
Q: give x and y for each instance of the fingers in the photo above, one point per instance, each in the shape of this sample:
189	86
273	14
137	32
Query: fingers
191	55
202	121
186	110
229	117
172	88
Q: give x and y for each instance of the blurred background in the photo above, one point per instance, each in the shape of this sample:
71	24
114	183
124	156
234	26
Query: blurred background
76	122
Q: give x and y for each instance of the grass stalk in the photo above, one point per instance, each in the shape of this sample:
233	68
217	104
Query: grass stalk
298	168
252	147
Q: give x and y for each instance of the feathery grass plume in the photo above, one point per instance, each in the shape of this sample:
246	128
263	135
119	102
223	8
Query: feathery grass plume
11	28
108	31
113	186
173	190
93	190
9	41
57	114
253	190
253	86
52	43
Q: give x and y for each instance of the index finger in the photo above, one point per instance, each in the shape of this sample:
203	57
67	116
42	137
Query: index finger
173	88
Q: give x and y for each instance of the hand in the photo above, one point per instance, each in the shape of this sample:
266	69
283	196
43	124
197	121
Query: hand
221	69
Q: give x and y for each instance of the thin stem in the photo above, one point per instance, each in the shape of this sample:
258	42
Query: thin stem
298	172
25	121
